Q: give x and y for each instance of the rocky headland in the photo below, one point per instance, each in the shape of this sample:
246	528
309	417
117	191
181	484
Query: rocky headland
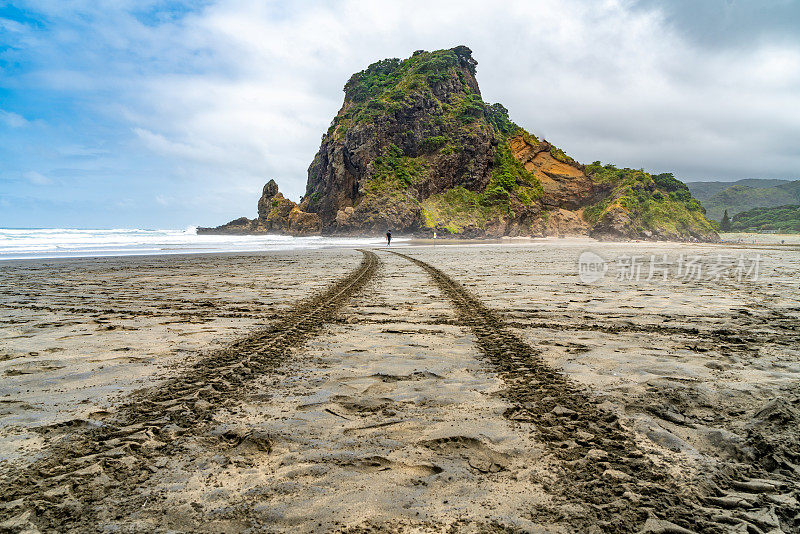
415	149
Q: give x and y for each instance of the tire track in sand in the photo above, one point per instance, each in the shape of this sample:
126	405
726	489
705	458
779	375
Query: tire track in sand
602	470
92	471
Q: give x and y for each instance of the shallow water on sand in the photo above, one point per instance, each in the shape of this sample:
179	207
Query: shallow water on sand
72	243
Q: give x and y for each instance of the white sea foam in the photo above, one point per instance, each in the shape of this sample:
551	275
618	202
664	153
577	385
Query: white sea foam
65	243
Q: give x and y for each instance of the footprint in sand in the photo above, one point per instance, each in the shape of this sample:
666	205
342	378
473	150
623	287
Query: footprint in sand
9	407
29	368
416	375
477	454
374	464
361	405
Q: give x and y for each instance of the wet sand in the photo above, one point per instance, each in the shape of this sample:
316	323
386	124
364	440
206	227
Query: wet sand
482	388
76	333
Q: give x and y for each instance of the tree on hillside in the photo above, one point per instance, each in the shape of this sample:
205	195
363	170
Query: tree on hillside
725	224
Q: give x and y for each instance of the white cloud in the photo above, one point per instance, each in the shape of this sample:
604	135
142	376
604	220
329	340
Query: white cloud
37	178
11	26
13	120
182	150
240	91
603	81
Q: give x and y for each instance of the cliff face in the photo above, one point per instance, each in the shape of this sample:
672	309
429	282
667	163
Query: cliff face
415	148
407	130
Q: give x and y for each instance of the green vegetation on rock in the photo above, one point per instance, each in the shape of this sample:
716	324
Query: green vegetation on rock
509	177
497	115
432	144
391	86
651	205
393	170
457	209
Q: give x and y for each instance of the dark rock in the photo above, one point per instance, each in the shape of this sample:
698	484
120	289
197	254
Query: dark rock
242	225
264	203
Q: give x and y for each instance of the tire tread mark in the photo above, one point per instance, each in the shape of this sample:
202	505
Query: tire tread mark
602	465
151	423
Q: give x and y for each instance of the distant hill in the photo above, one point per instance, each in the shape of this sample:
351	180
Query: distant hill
744	195
783	219
705	190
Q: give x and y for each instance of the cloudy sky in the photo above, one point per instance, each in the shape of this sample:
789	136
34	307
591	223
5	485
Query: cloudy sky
165	114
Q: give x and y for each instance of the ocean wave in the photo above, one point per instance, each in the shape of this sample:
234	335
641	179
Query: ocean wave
18	243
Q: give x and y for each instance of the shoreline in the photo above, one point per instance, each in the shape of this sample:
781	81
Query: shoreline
323	243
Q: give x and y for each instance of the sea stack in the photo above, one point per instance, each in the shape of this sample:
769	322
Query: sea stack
276	215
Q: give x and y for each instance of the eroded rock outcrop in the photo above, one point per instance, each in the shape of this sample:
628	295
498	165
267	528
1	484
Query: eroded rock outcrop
276	215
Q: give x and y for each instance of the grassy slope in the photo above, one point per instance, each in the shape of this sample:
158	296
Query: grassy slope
739	198
781	219
704	190
655	203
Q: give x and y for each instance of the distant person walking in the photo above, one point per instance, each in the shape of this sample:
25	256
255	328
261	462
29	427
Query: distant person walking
388	238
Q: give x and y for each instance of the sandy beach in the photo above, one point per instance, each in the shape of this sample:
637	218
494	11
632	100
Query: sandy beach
463	387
